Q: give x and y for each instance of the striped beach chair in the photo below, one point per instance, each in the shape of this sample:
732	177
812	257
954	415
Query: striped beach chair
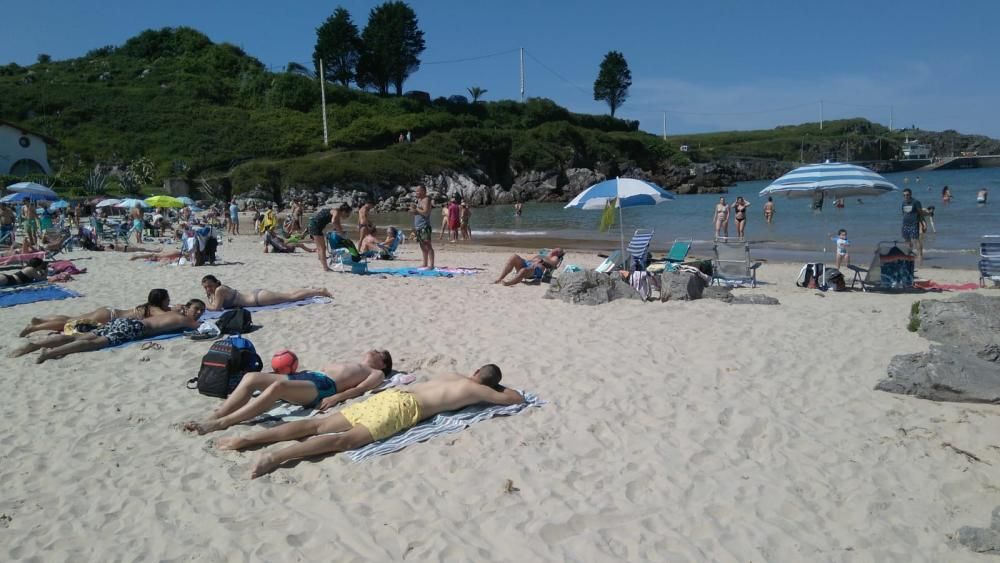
989	263
638	249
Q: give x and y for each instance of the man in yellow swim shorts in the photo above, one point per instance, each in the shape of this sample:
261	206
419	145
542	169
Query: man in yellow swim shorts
376	418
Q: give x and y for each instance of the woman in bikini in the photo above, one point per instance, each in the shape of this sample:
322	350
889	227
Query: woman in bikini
740	209
157	302
721	218
222	297
769	210
35	271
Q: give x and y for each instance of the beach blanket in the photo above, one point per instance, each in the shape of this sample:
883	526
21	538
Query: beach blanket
928	284
209	315
410	271
65	266
19	258
287	412
33	293
443	423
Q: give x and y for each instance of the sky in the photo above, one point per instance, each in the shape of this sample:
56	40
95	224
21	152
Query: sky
710	65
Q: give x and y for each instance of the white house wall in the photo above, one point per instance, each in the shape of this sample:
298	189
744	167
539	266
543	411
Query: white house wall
11	150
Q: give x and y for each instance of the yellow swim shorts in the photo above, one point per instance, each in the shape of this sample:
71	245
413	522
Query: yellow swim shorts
385	413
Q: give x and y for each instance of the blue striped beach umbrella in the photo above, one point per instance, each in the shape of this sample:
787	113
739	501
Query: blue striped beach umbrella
622	192
833	179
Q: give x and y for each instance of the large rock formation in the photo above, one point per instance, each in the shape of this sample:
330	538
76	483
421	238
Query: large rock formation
964	365
681	286
589	288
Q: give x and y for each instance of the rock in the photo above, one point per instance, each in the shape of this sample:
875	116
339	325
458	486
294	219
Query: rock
589	288
970	322
579	179
982	540
754	300
945	373
724	294
681	286
176	187
535	185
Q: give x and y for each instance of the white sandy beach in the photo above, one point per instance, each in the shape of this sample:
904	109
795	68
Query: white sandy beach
694	431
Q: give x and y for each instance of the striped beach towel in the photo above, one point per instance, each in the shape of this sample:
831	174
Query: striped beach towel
443	423
288	412
318	300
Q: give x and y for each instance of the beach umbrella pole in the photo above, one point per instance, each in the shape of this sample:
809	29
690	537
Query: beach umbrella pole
621	229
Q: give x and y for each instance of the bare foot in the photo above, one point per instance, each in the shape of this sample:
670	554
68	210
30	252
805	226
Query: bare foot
326	293
264	465
206	426
22	350
231	443
27	329
43	356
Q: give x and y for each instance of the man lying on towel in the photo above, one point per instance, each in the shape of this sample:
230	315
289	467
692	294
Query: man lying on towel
117	331
376	418
313	389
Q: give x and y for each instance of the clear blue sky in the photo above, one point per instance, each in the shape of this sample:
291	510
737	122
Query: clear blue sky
712	65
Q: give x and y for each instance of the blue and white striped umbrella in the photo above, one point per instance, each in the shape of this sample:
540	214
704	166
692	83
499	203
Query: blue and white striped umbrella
832	179
629	192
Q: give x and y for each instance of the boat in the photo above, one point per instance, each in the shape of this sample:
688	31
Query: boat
913	150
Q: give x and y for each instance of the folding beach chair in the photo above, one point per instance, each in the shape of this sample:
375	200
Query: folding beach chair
638	249
732	264
392	250
613	262
547	270
343	256
678	253
989	265
891	268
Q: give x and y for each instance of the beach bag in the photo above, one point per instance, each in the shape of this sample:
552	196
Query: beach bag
835	279
224	365
235	321
811	276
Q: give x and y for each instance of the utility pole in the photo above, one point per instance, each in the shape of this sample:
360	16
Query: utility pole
322	97
802	150
821	115
522	75
890	119
664	126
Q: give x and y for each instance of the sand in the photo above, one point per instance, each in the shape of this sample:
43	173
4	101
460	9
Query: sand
693	431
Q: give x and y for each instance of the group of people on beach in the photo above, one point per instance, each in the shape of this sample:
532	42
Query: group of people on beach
721	214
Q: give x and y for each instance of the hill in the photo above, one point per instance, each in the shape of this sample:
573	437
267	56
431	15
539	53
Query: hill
196	109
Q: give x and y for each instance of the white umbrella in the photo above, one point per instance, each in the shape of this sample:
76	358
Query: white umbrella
186	200
834	179
108	202
129	203
38	191
625	192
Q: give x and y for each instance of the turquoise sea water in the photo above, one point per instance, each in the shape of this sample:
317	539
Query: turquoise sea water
797	233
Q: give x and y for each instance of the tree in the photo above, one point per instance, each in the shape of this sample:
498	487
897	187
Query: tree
44	59
476	92
338	44
391	46
613	81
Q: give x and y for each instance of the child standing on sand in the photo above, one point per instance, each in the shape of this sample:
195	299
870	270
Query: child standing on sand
842	246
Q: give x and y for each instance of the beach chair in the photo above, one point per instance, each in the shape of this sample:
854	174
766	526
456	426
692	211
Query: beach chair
392	250
610	264
891	268
732	264
343	256
989	264
547	270
638	249
678	253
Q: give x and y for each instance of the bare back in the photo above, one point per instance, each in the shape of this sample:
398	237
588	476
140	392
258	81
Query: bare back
167	322
347	376
453	392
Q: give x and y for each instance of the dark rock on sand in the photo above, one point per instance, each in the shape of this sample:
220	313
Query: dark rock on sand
724	294
589	288
945	373
755	300
982	540
681	286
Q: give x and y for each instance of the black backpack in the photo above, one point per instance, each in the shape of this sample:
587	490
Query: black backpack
235	321
224	365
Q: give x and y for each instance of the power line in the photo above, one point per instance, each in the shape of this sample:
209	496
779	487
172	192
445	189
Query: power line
556	74
478	58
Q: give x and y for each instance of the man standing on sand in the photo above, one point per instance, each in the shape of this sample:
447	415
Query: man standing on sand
29	218
312	389
421	212
911	223
234	218
117	331
365	226
376	418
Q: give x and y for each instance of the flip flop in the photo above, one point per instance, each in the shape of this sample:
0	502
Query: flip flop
151	346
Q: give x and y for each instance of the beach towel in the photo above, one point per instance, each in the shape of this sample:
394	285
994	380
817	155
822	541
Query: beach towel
65	266
288	412
32	293
928	284
209	315
410	271
19	258
443	423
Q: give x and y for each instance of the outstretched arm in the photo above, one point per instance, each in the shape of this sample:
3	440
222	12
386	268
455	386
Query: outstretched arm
505	396
369	383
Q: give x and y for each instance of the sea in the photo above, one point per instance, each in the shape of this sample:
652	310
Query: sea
798	232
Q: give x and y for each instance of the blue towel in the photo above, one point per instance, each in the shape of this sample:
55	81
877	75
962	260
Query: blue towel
443	423
33	293
410	271
209	315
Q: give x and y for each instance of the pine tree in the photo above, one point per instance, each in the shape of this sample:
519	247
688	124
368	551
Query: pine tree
338	44
391	46
613	81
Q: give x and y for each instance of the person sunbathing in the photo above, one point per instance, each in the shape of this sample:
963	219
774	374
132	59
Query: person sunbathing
312	389
533	267
376	418
221	297
158	301
35	271
274	243
164	255
116	332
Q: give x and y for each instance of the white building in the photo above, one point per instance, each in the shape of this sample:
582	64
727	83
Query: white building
22	152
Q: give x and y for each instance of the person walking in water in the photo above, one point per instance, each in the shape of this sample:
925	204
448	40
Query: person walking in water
740	212
981	196
946	195
721	218
421	211
912	212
